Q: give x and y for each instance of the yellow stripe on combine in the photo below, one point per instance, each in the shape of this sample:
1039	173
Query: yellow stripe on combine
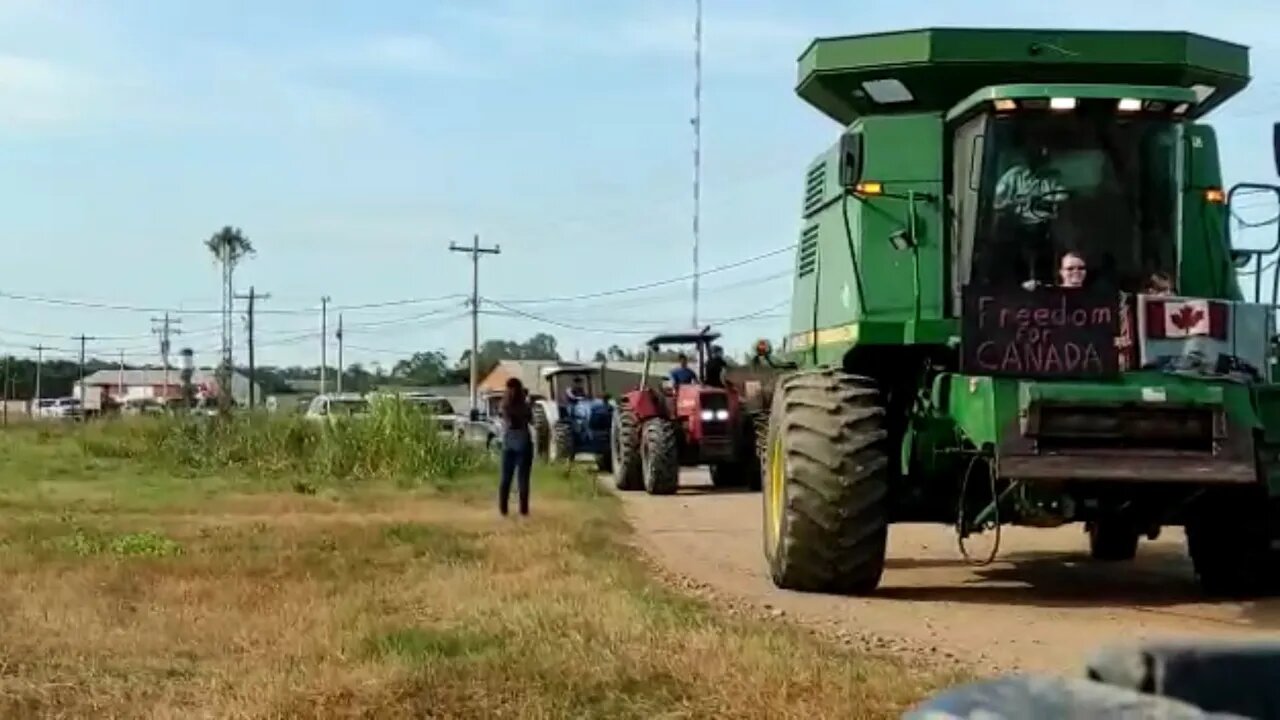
826	336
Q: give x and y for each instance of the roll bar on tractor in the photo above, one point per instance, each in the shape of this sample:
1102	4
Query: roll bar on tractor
1240	257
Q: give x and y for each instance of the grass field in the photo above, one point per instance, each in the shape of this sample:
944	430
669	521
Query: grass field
150	581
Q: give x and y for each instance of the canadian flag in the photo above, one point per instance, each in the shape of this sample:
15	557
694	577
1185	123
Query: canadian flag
1187	318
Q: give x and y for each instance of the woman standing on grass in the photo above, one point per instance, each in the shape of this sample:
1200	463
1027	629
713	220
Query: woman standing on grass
517	445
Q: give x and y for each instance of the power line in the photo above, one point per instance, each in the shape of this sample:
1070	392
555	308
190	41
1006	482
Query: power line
126	307
122	307
646	286
627	331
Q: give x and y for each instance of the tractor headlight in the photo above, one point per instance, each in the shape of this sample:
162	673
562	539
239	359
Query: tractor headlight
722	415
708	414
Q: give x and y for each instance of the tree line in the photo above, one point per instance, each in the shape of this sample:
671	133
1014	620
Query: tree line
427	367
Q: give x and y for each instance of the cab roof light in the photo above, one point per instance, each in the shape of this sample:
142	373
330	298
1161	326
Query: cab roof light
869	188
1181	108
1129	105
1062	103
1215	196
1006	104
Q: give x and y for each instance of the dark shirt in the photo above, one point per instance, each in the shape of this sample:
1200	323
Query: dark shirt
715	371
517	414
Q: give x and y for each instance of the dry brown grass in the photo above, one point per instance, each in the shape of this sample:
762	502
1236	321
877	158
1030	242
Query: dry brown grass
374	603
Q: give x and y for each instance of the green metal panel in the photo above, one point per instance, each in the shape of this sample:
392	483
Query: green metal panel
1205	268
941	66
1267	401
903	289
984	407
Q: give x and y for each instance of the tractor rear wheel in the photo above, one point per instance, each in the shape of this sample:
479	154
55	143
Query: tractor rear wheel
826	494
624	439
1229	541
561	442
541	431
659	459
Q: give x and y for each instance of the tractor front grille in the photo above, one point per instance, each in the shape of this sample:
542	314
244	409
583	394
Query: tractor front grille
714	402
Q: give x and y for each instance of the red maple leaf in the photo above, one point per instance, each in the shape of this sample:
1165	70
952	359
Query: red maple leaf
1186	317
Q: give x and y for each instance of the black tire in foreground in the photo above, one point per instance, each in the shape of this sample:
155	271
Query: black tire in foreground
1112	540
1229	541
624	439
659	459
827	483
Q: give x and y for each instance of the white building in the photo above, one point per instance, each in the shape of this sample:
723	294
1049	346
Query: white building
123	385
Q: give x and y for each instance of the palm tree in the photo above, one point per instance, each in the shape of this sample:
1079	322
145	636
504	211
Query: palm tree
231	241
228	246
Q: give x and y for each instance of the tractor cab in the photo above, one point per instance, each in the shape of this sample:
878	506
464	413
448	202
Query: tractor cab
686	423
568	384
578	421
686	394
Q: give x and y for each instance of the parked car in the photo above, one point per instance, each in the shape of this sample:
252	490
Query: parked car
325	407
64	408
445	414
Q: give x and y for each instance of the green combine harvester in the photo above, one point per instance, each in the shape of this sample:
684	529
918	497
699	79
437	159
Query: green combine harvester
1016	302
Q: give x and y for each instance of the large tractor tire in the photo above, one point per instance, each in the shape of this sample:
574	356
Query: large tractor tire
1229	541
624	440
561	442
827	484
541	432
659	459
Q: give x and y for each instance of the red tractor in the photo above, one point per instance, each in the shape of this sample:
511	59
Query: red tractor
656	432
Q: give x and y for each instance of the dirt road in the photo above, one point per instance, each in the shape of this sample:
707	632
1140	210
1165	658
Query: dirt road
1042	606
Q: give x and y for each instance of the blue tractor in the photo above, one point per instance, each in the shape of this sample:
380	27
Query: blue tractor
578	417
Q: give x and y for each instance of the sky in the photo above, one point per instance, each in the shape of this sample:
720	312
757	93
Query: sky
354	142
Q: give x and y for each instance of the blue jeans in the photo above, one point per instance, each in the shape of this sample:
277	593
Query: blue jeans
517	459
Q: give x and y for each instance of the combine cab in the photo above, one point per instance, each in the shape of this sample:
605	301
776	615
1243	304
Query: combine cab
656	432
577	425
1015	301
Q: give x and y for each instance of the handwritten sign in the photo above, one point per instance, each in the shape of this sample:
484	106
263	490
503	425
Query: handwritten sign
1047	332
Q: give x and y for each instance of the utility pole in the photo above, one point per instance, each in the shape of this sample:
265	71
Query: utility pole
83	339
6	389
324	338
697	151
341	367
35	400
475	251
164	331
252	297
224	370
120	378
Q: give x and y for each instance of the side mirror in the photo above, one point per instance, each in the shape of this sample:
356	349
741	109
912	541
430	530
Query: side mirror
1240	258
1275	146
850	159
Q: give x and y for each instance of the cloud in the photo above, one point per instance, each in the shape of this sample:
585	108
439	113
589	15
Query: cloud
417	54
736	39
